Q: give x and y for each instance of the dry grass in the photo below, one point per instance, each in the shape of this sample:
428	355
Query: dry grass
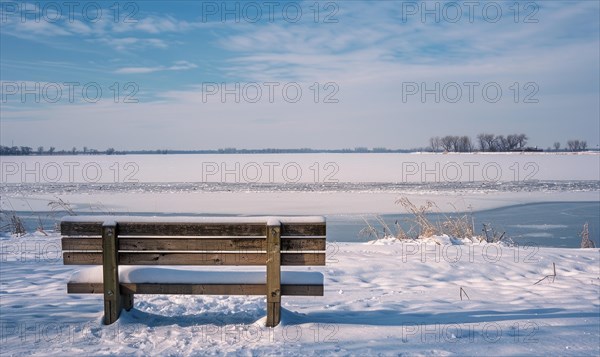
59	205
586	242
9	221
421	225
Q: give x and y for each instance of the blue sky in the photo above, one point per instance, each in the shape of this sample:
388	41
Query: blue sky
172	61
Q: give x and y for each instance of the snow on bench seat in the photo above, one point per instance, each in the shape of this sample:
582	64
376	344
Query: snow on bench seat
133	274
271	220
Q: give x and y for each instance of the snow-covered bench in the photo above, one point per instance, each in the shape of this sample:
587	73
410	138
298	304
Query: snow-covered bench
137	255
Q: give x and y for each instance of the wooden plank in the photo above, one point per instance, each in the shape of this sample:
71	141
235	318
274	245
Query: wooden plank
112	294
82	258
299	244
302	290
273	275
197	289
81	228
290	259
300	259
85	288
126	300
197	244
192	229
167	229
82	243
303	229
192	258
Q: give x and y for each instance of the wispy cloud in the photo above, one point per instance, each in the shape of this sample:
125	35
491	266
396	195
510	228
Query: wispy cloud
177	66
153	24
129	43
103	30
357	45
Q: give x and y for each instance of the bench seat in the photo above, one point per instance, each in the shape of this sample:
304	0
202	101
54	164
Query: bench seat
193	275
195	280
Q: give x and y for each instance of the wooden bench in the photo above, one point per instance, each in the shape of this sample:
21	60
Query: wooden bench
134	243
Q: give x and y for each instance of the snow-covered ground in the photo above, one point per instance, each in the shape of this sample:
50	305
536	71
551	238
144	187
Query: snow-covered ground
388	298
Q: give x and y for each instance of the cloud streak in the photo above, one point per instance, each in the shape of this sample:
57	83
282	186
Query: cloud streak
177	66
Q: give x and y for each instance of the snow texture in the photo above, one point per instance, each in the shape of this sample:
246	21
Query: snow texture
193	275
429	297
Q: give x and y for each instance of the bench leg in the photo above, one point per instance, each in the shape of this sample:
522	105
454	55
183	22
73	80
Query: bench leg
127	301
273	275
273	313
112	310
110	266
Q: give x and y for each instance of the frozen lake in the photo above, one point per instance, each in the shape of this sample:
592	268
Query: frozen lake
536	198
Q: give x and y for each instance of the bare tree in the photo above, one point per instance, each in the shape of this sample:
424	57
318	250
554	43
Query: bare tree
500	143
486	142
512	142
434	142
455	143
556	146
465	144
448	143
522	140
577	145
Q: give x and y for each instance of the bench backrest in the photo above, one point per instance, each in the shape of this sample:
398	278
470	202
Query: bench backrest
195	240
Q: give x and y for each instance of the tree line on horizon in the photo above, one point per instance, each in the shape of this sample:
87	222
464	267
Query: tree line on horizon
26	150
495	143
449	143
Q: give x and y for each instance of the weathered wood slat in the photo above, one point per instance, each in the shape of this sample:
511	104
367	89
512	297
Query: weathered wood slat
302	258
297	259
192	258
196	244
192	229
303	229
317	243
126	300
197	289
81	243
167	229
80	258
80	228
